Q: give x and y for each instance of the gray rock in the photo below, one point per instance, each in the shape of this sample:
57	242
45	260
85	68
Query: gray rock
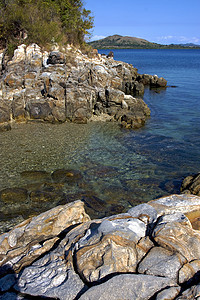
176	203
53	275
144	212
128	286
50	278
189	270
161	262
169	293
190	293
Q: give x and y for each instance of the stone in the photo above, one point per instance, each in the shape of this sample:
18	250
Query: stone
19	54
35	176
18	106
68	176
175	233
144	212
176	203
115	96
53	275
190	293
38	110
13	195
169	293
189	270
56	58
110	54
63	254
110	248
5	111
191	185
37	235
161	262
51	279
128	286
156	82
5	127
34	55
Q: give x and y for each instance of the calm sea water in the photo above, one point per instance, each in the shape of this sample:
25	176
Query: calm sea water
119	168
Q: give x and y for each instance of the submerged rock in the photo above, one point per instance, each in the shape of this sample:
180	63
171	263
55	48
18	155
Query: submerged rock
191	185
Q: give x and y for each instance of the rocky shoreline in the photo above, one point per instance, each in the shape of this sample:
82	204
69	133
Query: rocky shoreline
150	252
70	86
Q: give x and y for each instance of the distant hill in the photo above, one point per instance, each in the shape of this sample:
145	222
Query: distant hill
119	41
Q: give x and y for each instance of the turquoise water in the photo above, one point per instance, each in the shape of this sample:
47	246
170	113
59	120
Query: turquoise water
120	168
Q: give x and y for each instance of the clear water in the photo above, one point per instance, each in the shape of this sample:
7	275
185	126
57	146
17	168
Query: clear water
119	167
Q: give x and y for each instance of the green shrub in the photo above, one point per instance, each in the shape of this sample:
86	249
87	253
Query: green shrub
43	22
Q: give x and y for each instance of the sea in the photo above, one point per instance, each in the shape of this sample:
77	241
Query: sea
119	168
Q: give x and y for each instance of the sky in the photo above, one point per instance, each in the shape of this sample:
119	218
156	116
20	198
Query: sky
159	21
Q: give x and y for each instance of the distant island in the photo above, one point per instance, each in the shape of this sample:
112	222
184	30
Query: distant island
127	42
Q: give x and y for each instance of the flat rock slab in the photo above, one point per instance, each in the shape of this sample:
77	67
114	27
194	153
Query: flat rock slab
128	286
176	203
161	262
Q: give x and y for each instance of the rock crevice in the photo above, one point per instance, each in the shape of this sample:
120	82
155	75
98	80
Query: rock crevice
99	259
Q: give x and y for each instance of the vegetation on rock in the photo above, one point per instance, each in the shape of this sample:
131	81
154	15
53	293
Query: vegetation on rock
43	22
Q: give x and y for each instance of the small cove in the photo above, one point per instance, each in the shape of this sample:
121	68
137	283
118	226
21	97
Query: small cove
120	168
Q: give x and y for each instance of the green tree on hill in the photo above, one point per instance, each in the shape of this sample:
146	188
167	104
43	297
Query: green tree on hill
43	22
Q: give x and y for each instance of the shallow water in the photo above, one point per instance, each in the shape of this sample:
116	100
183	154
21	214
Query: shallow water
119	167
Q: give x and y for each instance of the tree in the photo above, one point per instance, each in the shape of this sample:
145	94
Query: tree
43	22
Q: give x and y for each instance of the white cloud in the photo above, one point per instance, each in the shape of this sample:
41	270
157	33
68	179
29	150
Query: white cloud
97	37
177	39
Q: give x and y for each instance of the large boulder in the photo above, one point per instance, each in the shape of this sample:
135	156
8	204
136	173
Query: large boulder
27	241
156	82
150	252
56	57
128	286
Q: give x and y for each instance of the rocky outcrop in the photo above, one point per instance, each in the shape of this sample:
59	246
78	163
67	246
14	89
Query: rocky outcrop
191	185
69	86
150	252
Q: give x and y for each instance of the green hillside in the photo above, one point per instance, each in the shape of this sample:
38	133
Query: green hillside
123	42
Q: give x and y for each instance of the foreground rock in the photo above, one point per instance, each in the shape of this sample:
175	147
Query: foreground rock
150	252
128	286
37	235
69	86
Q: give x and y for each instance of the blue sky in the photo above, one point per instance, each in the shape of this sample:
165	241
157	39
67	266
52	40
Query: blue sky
160	21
